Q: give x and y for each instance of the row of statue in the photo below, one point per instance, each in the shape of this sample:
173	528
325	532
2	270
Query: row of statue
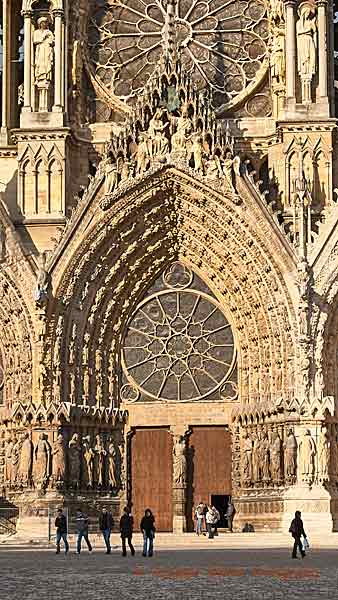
156	144
306	31
269	461
78	464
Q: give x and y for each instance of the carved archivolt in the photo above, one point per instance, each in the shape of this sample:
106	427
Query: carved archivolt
112	259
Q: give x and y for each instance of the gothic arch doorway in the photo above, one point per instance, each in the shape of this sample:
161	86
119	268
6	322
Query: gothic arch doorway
179	370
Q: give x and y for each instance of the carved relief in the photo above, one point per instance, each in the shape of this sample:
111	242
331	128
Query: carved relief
307	453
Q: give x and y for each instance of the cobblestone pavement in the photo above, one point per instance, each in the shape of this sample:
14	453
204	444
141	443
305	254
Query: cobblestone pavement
239	574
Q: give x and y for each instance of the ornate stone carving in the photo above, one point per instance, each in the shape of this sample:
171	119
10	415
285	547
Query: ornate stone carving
42	462
25	461
246	460
59	460
75	460
276	458
307	453
306	47
290	455
101	457
179	461
323	456
89	462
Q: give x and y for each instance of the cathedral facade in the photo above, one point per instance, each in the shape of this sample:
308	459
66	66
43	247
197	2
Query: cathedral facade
169	259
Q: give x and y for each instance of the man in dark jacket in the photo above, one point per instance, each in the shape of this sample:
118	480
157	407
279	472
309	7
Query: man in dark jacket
106	525
61	531
126	529
297	530
82	526
148	529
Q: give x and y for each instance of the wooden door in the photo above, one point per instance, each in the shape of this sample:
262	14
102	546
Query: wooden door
151	476
209	460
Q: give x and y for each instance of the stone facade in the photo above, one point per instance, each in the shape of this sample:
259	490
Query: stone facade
168	251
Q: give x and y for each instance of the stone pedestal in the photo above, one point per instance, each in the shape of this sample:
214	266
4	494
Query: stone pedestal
179	512
315	505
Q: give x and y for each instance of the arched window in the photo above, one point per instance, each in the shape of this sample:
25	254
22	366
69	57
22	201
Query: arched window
55	187
28	191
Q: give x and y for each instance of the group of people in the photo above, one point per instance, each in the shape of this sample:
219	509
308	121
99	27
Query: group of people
106	523
208	516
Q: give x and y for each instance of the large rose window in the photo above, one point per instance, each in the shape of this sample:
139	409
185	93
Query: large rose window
222	43
179	345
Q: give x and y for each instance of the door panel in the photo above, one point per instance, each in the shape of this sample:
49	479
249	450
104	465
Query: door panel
151	476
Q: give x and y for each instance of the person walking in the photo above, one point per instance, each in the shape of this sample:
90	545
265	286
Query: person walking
297	530
231	511
217	517
199	516
148	529
61	531
82	525
106	525
210	517
126	529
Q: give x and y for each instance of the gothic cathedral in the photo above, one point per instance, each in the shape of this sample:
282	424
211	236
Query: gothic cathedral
169	259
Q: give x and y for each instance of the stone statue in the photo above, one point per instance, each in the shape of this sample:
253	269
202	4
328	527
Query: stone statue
142	154
197	153
323	456
111	177
113	465
89	458
72	345
277	58
74	457
16	450
307	452
26	461
59	459
246	456
265	458
8	460
157	141
290	455
43	40
213	167
179	461
306	47
277	10
101	454
334	454
2	242
256	457
183	129
42	463
276	457
43	281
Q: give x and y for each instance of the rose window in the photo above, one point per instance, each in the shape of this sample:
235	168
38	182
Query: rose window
179	345
222	45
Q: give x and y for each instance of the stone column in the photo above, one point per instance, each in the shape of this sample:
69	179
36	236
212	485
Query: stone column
5	66
27	107
290	49
322	48
59	58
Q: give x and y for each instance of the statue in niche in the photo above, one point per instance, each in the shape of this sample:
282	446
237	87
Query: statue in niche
8	460
246	456
43	281
114	465
101	454
183	129
26	460
89	458
74	456
276	457
59	459
334	454
197	153
256	457
306	47
307	452
158	143
290	455
323	455
16	450
85	350
42	462
213	167
179	461
125	171
277	58
111	177
265	458
142	154
72	345
43	40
